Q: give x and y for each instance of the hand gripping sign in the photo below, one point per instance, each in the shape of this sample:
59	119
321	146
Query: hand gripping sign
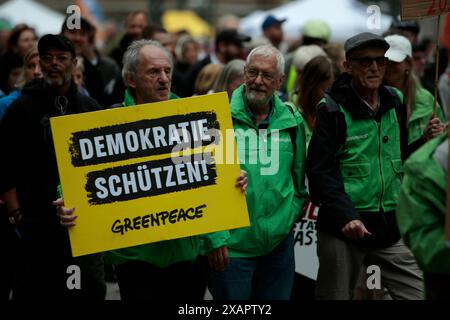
149	173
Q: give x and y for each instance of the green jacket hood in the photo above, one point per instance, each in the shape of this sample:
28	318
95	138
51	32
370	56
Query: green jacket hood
422	207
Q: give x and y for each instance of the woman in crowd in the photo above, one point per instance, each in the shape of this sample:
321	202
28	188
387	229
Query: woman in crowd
231	77
206	78
317	76
11	67
22	39
186	51
30	70
423	125
302	56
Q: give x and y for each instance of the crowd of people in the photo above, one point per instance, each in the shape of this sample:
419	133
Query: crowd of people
359	137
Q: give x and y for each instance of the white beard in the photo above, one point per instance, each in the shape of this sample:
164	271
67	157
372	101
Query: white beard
59	82
252	100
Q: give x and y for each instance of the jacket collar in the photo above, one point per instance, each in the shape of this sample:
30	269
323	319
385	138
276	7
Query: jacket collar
129	99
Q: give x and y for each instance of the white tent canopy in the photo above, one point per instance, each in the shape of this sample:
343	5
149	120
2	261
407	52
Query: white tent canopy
41	18
345	17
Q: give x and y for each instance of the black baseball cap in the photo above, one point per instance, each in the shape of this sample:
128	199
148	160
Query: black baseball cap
364	40
55	41
231	36
270	21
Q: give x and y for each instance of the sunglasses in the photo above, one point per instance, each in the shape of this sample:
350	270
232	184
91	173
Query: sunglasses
368	61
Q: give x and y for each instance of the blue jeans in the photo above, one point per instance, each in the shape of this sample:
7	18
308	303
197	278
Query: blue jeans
268	277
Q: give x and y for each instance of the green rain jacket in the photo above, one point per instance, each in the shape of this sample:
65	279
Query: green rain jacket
163	253
371	164
421	114
421	209
274	199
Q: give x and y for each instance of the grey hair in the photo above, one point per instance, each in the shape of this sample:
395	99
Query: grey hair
131	56
232	70
267	50
304	54
181	43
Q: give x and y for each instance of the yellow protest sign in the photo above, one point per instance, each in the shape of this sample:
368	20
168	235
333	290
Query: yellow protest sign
420	9
150	172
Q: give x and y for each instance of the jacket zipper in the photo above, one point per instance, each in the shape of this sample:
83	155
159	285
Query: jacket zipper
379	163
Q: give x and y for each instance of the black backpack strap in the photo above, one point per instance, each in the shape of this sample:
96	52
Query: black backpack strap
398	104
394	93
331	105
341	125
402	118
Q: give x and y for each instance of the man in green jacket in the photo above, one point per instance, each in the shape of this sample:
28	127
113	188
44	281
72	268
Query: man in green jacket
257	262
160	270
354	169
421	214
151	271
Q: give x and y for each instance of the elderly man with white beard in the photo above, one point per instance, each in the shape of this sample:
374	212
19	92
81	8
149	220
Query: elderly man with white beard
258	262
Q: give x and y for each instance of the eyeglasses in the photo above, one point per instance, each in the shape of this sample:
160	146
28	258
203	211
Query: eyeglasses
266	76
62	58
368	61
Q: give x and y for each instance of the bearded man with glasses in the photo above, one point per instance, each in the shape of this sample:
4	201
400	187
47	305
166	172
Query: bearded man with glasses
257	262
29	179
354	168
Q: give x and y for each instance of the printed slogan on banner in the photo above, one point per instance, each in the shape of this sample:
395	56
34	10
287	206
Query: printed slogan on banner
149	173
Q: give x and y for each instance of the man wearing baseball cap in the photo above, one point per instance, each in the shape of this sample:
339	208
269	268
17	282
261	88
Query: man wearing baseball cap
273	30
29	180
316	31
354	168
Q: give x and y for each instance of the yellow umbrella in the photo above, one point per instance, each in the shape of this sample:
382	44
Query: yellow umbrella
177	20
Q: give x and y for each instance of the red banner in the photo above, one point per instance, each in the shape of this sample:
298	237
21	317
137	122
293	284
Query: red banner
420	9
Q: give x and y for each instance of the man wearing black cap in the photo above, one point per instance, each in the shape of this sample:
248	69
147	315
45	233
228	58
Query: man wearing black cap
228	46
29	180
273	31
354	169
408	29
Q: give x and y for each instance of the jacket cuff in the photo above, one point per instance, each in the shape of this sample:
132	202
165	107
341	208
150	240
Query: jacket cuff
213	241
